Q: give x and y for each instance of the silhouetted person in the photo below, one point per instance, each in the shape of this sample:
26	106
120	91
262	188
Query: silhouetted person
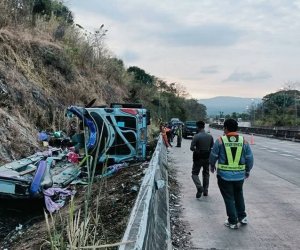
201	146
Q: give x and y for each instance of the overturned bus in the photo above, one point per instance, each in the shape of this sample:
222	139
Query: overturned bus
108	134
112	134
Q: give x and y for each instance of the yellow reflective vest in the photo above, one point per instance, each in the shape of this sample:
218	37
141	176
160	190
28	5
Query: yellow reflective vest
233	164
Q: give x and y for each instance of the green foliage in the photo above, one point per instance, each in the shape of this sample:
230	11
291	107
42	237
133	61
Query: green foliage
162	99
140	76
235	115
61	11
52	7
42	7
58	61
281	108
87	50
114	69
25	12
195	110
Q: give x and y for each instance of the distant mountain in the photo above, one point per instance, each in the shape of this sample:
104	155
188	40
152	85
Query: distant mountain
228	104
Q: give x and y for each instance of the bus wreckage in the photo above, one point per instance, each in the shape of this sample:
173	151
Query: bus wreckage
107	135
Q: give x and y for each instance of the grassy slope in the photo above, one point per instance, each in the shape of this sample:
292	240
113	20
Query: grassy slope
39	81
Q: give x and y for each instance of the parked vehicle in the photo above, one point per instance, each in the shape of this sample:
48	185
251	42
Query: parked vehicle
189	129
175	122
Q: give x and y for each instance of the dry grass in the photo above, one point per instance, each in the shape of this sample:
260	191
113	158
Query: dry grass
44	75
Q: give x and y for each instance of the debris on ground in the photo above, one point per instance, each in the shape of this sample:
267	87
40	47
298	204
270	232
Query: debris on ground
116	202
180	235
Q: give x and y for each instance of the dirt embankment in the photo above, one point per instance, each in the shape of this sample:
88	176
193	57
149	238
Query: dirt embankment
38	80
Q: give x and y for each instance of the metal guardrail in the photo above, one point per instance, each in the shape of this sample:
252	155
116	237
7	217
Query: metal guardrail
290	134
149	223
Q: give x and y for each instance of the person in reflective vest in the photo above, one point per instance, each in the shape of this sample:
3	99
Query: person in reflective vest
235	160
178	133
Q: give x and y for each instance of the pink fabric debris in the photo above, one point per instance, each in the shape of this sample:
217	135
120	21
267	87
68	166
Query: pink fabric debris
73	157
62	193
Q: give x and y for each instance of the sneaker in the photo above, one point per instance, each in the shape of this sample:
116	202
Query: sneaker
231	226
199	193
244	221
205	193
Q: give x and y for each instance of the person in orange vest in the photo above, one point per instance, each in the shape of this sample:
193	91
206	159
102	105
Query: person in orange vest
163	130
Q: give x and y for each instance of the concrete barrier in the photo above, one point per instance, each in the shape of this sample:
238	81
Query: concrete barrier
149	223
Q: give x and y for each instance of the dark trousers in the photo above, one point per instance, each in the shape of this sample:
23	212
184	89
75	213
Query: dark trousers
170	137
197	165
179	139
232	192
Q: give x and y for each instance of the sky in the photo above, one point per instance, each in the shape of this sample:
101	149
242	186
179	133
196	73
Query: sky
245	48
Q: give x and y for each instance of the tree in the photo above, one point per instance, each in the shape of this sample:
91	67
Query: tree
61	11
280	108
195	110
141	76
40	7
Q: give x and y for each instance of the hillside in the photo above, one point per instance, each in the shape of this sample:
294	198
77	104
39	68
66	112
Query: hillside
48	63
38	81
228	104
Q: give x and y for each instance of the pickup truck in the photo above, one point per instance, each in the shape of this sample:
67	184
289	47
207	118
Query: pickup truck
189	129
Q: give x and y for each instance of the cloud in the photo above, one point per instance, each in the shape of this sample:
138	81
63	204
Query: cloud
130	56
106	8
247	76
209	70
201	35
133	12
201	43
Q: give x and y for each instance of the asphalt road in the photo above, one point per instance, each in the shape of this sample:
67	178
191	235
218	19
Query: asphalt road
272	197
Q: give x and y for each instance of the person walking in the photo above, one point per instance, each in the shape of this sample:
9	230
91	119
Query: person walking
179	135
201	146
235	160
